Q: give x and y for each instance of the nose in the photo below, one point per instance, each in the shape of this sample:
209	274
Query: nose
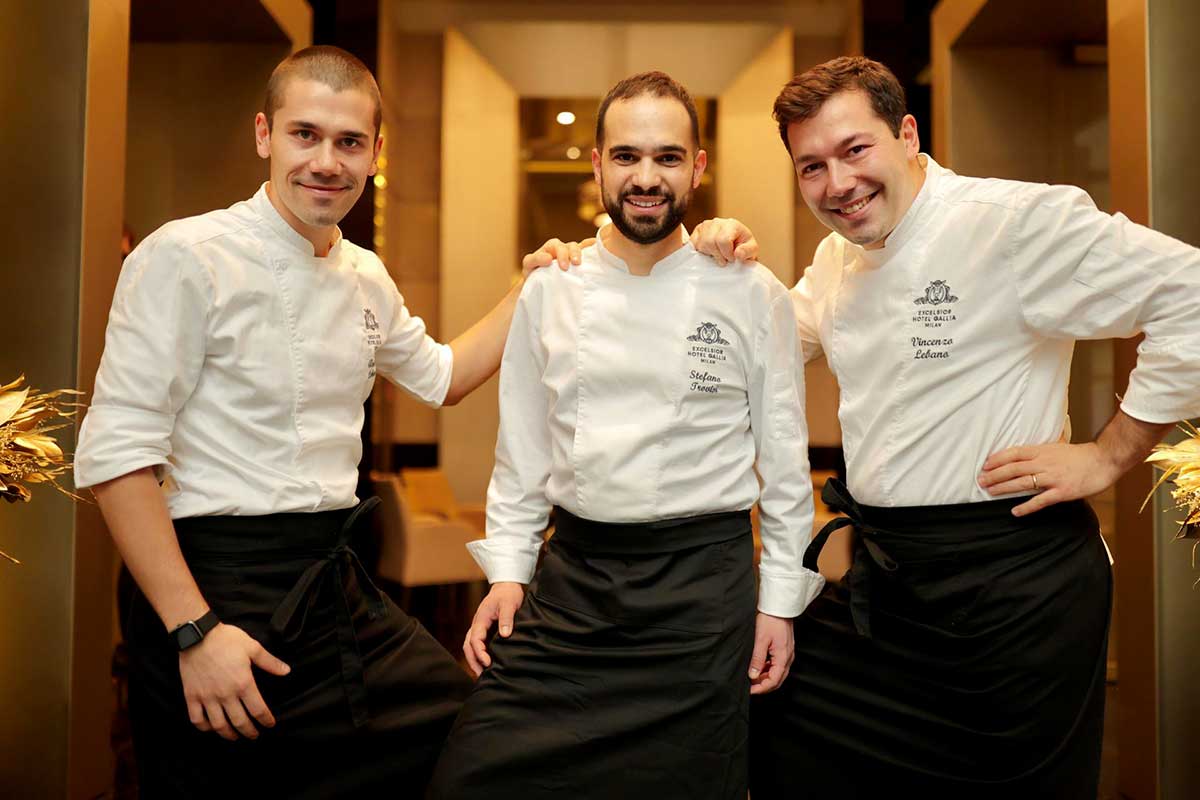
646	176
324	160
842	180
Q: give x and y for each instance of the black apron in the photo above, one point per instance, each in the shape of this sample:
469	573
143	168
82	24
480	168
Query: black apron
370	696
625	674
962	657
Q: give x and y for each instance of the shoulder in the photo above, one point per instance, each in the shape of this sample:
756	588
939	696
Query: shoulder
1001	196
203	229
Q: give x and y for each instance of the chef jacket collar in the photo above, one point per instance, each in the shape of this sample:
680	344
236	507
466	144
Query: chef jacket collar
660	267
909	224
290	237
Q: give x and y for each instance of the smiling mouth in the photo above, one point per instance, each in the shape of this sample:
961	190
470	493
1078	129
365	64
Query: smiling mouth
646	203
855	207
329	190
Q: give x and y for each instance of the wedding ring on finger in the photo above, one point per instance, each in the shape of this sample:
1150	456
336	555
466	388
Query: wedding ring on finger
1036	488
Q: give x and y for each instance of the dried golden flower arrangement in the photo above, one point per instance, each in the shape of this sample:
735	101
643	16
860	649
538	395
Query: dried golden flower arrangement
1180	464
28	453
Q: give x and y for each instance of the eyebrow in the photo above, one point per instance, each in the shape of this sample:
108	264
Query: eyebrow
666	148
842	145
312	126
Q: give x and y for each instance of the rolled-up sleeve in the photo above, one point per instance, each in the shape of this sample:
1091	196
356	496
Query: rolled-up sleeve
517	507
1085	274
409	357
776	396
154	349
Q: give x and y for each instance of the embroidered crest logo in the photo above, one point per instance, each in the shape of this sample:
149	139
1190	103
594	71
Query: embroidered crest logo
708	333
369	320
936	293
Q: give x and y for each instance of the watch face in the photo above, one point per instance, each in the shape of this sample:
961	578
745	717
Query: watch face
187	635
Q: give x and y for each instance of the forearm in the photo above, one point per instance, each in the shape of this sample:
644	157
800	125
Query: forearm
136	514
1126	441
478	350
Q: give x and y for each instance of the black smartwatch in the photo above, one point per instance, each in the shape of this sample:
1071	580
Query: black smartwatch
191	632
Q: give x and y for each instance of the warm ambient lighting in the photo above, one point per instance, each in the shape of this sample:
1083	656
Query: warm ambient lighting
565	118
572	153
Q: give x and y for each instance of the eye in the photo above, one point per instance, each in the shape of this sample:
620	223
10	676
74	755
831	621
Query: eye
350	143
305	135
624	158
857	149
670	159
810	169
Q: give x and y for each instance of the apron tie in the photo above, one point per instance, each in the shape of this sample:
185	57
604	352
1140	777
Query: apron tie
289	618
837	497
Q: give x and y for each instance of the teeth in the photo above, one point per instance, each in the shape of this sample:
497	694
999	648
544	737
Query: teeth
646	203
857	206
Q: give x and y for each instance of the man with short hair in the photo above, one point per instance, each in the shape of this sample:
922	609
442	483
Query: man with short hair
240	348
638	392
963	655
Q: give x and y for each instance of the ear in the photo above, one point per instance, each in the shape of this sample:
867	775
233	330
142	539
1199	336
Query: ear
262	135
908	132
375	156
596	159
698	167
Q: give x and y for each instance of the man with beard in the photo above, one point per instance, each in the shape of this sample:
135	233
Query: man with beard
638	391
240	349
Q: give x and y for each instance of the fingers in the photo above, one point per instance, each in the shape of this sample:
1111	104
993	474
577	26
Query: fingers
196	715
238	718
746	251
1009	456
217	722
725	245
507	611
758	659
535	261
267	662
475	647
257	707
1038	502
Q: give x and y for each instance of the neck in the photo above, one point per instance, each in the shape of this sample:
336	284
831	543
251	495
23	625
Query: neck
916	173
640	258
320	238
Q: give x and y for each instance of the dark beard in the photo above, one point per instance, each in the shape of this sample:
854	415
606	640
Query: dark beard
648	231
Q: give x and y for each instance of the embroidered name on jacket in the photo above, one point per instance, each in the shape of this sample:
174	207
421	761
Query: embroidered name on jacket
937	312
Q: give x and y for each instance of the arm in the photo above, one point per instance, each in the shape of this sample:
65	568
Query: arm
1071	471
478	349
154	350
218	683
1084	274
517	507
776	398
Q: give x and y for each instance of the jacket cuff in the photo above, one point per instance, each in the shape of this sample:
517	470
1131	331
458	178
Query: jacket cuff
503	562
787	595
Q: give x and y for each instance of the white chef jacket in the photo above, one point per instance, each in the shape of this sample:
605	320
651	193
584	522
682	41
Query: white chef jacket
236	363
633	399
954	340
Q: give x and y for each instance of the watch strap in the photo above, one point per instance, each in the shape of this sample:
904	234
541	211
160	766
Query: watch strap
193	631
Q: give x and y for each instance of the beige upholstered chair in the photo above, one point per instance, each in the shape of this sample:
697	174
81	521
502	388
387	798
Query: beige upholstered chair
420	546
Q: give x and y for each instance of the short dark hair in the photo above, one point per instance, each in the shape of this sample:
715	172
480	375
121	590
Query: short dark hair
804	94
658	84
332	66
